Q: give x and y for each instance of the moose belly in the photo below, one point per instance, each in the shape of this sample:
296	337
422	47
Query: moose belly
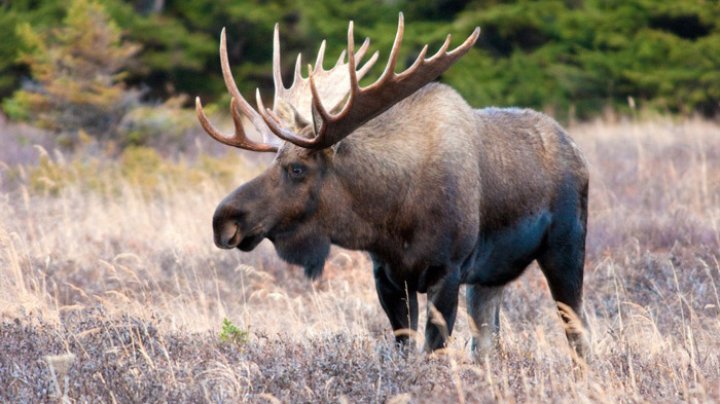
501	255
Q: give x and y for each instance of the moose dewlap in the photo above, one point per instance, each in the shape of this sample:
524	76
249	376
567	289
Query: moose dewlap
438	193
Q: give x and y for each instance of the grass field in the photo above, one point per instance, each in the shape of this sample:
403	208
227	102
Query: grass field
111	290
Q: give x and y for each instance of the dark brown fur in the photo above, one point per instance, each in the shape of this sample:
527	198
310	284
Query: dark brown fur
440	195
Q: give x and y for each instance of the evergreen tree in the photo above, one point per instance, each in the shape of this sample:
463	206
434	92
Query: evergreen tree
77	72
556	55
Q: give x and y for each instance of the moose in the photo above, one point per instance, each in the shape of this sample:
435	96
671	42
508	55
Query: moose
438	193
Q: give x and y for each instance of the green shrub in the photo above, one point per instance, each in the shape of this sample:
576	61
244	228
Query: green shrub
230	333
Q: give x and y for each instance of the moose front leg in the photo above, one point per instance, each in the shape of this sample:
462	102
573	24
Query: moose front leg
442	309
399	302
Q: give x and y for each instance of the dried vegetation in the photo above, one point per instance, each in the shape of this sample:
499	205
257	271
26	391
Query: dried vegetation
112	293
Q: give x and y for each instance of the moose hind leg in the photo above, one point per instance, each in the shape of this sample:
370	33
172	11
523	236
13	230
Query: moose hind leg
562	264
399	303
483	305
565	283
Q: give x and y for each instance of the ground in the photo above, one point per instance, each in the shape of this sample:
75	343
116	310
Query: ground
111	290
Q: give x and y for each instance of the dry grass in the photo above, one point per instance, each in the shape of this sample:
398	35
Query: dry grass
120	296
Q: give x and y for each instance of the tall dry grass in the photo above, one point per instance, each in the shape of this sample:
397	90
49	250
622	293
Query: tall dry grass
112	293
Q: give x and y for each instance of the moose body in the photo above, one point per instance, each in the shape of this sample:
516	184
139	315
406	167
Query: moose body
438	193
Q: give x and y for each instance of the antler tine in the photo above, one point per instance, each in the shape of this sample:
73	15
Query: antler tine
298	66
416	64
237	105
469	42
362	50
368	65
320	57
358	55
205	122
227	74
341	59
443	49
394	52
277	74
242	139
319	113
354	86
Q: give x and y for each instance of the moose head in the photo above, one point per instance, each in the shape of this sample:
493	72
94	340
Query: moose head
304	201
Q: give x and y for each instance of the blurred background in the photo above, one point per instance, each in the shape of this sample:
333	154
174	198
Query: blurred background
127	71
108	184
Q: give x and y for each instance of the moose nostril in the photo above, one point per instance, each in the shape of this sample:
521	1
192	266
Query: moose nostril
226	236
225	229
228	224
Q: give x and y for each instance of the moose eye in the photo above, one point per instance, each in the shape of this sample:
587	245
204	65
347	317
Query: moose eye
296	171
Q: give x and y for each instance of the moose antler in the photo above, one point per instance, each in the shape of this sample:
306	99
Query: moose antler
362	105
368	102
293	95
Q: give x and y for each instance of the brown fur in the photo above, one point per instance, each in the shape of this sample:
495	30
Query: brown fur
439	194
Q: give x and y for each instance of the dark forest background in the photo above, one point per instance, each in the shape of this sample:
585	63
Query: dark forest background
87	64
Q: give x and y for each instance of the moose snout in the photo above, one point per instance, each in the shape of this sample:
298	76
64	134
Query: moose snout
226	227
226	235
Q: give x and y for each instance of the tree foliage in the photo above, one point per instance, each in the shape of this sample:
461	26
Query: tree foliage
566	56
592	53
77	72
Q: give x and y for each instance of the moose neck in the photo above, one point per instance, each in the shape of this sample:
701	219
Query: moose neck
376	171
371	186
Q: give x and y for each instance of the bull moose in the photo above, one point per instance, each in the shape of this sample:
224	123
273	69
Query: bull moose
438	193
